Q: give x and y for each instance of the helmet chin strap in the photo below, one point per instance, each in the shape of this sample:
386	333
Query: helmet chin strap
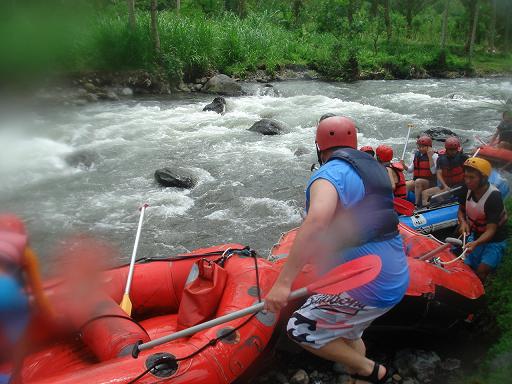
318	155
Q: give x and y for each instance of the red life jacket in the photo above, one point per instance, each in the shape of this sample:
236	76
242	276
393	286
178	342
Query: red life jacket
400	188
452	168
422	167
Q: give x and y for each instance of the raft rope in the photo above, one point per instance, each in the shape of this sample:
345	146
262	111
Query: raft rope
168	359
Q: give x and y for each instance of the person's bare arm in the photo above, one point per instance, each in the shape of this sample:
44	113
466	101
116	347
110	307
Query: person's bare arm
391	175
439	175
310	241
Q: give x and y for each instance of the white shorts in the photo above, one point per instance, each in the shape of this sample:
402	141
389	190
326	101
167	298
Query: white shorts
324	318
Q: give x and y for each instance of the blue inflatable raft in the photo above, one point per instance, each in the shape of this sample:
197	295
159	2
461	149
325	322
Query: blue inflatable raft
433	219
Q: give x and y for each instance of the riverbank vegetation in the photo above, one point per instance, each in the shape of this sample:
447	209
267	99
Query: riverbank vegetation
188	39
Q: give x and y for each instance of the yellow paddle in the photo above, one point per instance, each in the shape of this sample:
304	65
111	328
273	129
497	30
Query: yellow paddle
126	303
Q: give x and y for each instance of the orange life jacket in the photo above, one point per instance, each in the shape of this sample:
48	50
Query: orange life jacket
452	168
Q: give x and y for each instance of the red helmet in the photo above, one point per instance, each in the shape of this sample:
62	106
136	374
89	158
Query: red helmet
384	153
336	131
9	222
424	140
367	149
452	143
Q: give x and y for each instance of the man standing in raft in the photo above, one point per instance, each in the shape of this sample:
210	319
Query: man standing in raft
483	217
349	205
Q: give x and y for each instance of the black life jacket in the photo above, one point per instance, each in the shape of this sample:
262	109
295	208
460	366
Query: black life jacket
377	220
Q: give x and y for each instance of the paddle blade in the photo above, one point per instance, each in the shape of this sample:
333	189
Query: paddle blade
126	304
347	276
403	207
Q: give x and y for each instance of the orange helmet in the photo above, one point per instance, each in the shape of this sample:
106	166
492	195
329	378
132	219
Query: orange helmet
424	140
384	153
337	131
452	143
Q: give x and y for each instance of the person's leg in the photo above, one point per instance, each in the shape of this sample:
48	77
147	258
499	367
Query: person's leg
427	193
491	255
409	185
342	351
419	186
483	271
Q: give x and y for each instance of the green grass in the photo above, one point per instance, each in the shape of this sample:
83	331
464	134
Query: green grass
35	41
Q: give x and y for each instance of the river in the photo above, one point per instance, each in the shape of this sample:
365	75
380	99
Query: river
249	187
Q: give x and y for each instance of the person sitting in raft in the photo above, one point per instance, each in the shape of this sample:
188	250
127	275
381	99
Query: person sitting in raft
343	198
395	170
368	149
449	170
423	168
18	270
482	216
502	138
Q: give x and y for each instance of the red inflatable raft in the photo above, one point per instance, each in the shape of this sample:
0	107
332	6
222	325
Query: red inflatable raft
102	353
442	291
499	156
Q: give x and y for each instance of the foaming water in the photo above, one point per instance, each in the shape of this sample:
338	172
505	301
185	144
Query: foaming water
249	188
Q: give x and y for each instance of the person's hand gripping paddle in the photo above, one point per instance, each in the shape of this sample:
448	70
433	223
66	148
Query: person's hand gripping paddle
345	277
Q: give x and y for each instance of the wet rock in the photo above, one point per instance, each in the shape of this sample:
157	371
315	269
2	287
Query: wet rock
169	178
281	378
441	134
126	91
326	116
339	368
410	380
223	85
83	158
302	151
300	377
198	86
450	364
417	363
269	90
217	105
344	379
268	127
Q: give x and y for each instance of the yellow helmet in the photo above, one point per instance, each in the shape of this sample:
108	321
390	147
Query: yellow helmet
481	165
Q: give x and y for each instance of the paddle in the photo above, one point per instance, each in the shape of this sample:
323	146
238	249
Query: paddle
403	207
409	126
347	276
126	303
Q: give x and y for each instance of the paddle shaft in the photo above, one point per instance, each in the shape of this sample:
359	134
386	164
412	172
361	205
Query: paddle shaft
134	253
434	252
406	140
298	293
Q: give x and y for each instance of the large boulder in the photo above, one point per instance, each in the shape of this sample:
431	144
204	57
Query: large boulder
166	177
223	85
441	134
217	105
82	158
268	127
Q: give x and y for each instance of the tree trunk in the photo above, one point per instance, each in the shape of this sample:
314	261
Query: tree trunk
242	11
131	14
387	18
508	12
445	23
473	32
471	7
350	12
492	32
374	9
408	17
178	6
154	26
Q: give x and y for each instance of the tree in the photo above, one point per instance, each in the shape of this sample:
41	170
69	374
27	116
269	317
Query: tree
492	31
154	27
473	31
445	23
131	14
178	6
387	18
472	11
